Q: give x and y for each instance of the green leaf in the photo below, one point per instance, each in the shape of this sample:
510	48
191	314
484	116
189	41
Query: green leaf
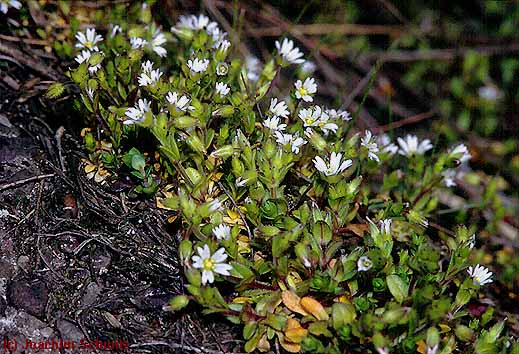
398	288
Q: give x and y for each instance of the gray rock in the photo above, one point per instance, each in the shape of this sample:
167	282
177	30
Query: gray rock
69	331
91	294
31	297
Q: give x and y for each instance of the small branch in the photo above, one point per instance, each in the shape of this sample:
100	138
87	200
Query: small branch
26	180
409	120
317	29
29	62
437	54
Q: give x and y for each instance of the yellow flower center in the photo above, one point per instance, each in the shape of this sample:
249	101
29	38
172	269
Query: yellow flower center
309	121
302	91
209	264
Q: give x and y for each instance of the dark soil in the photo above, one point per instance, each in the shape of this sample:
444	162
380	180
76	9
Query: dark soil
79	262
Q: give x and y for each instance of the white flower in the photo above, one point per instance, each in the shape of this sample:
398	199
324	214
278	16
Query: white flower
364	264
222	69
310	117
199	22
84	56
180	102
240	181
461	153
449	177
197	65
294	141
90	92
115	29
215	205
325	125
136	114
489	93
306	89
149	76
222	89
278	109
89	39
387	146
223	45
385	226
138	42
336	114
432	350
471	242
4	213
480	275
191	22
157	40
211	264
369	143
410	146
273	123
308	67
289	53
252	66
5	4
335	166
222	231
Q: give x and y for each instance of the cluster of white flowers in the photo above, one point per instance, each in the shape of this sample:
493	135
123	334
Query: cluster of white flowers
87	42
5	4
149	76
317	118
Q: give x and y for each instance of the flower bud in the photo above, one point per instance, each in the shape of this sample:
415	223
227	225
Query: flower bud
223	152
196	144
464	333
226	111
178	303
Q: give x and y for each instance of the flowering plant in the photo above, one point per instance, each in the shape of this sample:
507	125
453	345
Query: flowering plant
310	235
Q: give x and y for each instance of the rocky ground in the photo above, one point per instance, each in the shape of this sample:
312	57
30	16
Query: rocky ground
80	263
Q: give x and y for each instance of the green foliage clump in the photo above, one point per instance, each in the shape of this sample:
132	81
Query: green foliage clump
306	233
